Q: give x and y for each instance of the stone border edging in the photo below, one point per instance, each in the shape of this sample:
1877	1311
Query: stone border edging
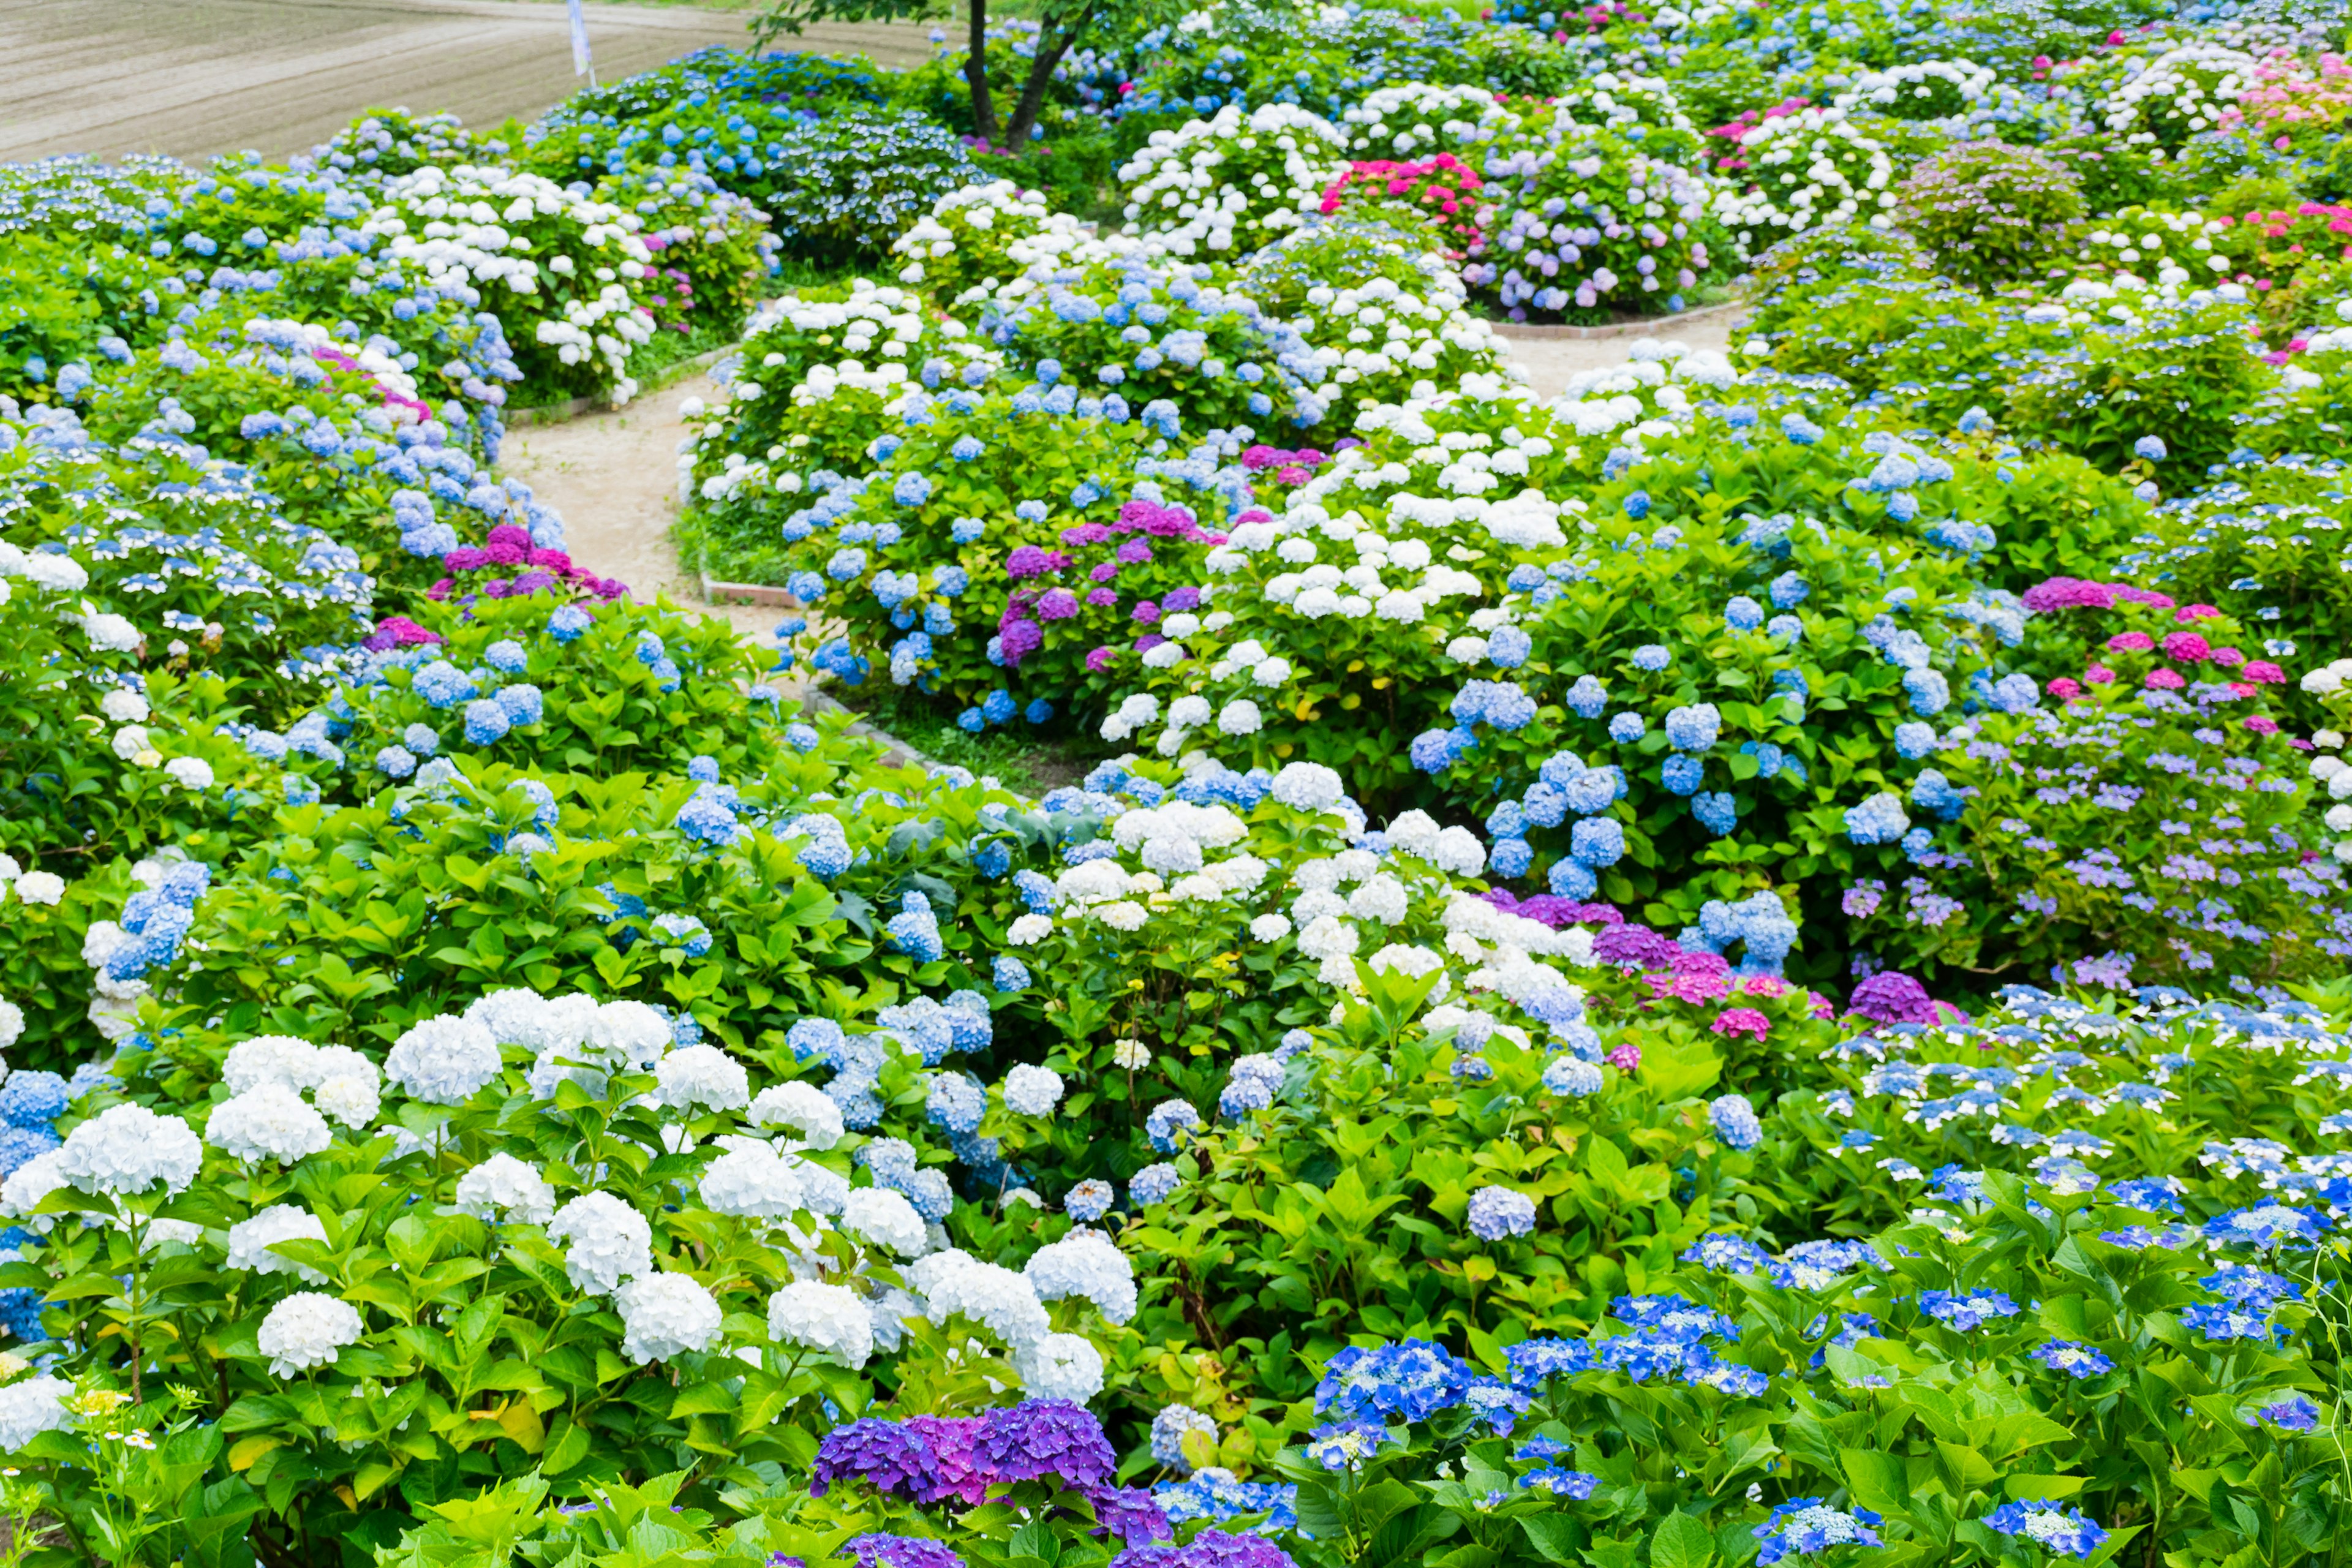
563	413
1656	327
895	752
716	593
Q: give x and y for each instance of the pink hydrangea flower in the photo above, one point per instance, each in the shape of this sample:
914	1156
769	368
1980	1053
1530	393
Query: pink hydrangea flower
1742	1021
2187	647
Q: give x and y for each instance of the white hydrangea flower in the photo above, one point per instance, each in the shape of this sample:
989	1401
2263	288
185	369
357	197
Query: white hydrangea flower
28	1183
997	1299
702	1075
1032	1090
1307	786
884	1219
444	1060
537	1024
307	1330
803	1107
609	1241
269	1121
663	1315
1027	930
1061	1367
12	1024
347	1090
751	1181
249	1241
827	1319
127	1148
31	1407
824	1190
264	1059
504	1186
1085	1263
630	1034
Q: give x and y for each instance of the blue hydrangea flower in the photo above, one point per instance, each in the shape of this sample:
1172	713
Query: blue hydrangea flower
1734	1121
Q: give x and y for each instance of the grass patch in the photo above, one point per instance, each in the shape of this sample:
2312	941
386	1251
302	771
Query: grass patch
1024	758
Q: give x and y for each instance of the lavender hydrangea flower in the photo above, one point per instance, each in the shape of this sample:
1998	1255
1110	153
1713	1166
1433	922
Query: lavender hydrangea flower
1043	1437
1498	1213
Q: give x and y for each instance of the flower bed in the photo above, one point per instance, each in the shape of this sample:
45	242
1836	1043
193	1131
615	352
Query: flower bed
1743	964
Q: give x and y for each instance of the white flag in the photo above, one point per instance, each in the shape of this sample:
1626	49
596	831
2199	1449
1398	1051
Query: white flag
581	64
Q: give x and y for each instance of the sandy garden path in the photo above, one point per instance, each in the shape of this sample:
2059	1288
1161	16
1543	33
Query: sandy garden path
195	77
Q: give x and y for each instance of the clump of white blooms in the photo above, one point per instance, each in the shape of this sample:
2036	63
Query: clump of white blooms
1814	168
31	1407
1061	1367
952	1283
307	1329
884	1219
751	1181
444	1060
829	1319
249	1241
30	1183
804	1107
267	1121
1231	182
663	1315
559	265
344	1084
702	1076
127	1148
1085	1263
1032	1090
1416	120
503	1188
996	228
608	1241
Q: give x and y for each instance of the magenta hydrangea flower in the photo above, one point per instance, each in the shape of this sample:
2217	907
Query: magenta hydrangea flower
951	1438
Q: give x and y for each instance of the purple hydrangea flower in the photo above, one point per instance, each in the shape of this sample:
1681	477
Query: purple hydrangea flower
1041	1437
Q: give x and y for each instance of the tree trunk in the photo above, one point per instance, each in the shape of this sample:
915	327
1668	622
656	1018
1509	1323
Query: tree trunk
975	72
1041	76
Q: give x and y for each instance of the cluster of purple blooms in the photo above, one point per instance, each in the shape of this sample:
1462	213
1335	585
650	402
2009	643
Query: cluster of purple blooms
960	1461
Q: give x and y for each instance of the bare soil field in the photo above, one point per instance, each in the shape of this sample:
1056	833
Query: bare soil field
204	77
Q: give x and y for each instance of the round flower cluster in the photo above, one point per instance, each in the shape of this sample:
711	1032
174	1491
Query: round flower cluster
1579	219
563	271
1814	167
1233	182
981	235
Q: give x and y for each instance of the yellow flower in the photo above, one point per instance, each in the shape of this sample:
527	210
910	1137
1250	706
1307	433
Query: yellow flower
96	1402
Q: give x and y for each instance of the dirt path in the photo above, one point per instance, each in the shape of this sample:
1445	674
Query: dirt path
195	77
